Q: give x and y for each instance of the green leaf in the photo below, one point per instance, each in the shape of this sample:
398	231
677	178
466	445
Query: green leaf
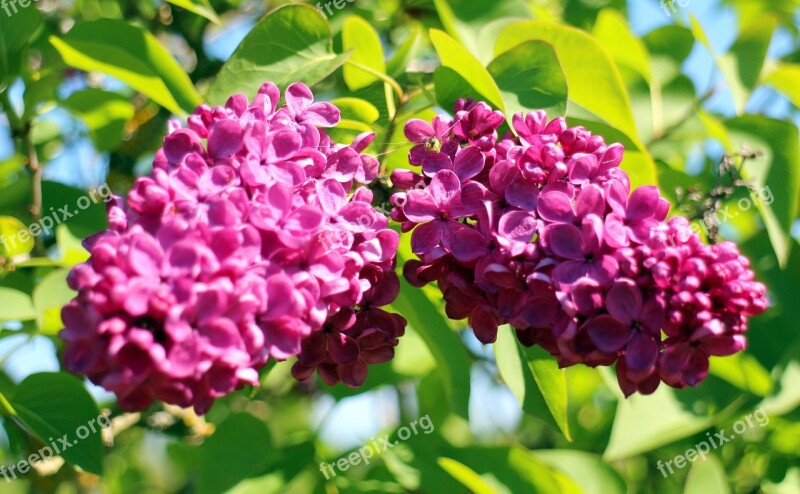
612	30
788	398
750	50
552	383
530	78
424	316
200	7
785	77
465	19
49	296
15	240
742	65
535	379
358	116
644	423
457	58
104	113
291	44
237	450
398	64
640	168
70	248
513	469
743	371
593	79
52	405
360	37
16	306
132	55
451	86
82	210
589	471
707	476
357	109
668	46
468	477
776	174
15	31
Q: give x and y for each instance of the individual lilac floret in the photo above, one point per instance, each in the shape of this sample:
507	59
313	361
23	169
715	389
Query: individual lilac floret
251	245
539	229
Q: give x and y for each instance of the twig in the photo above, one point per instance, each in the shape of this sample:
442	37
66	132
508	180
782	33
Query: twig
22	130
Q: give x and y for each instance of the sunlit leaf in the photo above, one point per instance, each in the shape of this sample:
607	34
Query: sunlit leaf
49	296
360	37
291	44
612	30
589	471
707	475
466	476
457	58
743	371
465	19
15	239
530	78
785	77
405	52
513	469
535	379
644	423
16	305
593	79
200	7
132	55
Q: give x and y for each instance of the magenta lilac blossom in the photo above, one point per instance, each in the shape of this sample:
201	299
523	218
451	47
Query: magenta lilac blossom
253	238
539	229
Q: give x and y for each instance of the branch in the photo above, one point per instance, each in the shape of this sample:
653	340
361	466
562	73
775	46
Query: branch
22	130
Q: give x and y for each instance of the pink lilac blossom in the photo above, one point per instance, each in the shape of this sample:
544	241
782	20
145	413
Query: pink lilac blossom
539	229
261	243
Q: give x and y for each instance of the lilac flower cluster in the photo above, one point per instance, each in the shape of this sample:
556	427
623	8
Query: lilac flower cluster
247	247
540	230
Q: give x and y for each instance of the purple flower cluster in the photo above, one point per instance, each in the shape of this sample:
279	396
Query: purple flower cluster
539	229
247	246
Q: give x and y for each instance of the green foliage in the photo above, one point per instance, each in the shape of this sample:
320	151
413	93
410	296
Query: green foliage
200	7
104	113
133	56
530	77
289	45
425	317
241	444
360	37
17	305
53	406
534	378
